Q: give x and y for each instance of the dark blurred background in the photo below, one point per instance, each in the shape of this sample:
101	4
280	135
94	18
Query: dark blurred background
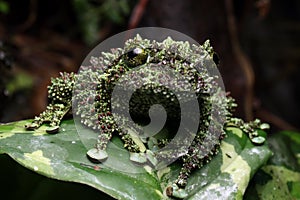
258	42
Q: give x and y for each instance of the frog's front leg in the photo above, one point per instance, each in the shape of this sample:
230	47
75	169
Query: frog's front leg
131	143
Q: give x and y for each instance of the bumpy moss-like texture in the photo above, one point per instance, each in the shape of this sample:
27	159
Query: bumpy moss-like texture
92	99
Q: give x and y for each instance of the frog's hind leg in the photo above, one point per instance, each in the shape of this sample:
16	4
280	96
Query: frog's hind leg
52	115
45	116
60	110
60	98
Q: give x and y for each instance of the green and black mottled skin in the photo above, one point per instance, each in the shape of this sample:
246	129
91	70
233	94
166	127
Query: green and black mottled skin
105	71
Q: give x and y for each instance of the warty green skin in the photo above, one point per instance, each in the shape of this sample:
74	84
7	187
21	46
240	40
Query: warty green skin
105	71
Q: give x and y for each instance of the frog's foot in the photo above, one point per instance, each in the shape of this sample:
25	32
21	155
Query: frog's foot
53	114
143	158
250	128
52	129
32	126
175	191
97	155
132	141
36	123
139	158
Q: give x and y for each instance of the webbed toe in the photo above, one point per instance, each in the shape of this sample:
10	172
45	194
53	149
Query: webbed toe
52	129
31	126
96	155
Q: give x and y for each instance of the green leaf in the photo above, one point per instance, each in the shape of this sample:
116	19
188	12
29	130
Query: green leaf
63	157
229	173
294	143
17	182
280	178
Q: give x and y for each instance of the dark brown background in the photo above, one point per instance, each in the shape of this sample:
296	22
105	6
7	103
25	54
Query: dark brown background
257	41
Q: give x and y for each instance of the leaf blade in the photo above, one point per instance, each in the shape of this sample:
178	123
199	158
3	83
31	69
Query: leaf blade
68	162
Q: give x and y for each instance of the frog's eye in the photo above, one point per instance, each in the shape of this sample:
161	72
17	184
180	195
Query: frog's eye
135	52
138	51
136	56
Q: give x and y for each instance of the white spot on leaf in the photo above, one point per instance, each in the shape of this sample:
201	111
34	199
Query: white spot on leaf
236	166
37	161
